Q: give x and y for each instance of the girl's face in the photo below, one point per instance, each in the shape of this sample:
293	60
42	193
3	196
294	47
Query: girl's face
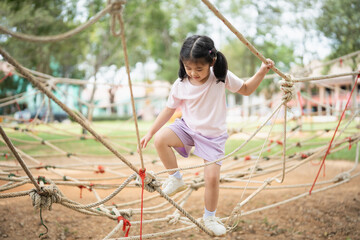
198	72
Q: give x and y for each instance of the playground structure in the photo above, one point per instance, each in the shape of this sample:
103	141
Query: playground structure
280	164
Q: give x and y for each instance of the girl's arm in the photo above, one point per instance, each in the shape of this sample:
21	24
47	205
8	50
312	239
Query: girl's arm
160	121
252	84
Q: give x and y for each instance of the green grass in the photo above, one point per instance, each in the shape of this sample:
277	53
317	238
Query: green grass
123	133
308	128
343	154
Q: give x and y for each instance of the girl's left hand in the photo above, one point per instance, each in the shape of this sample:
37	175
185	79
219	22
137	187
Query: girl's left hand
266	67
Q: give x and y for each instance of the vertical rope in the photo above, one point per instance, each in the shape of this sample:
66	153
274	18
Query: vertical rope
332	139
287	86
43	224
123	40
284	145
142	173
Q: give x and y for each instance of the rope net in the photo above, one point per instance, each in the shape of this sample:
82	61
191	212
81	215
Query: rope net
246	168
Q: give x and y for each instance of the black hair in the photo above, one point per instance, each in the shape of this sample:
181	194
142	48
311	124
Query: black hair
198	48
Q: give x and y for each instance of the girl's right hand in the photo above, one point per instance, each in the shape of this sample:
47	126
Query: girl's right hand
144	141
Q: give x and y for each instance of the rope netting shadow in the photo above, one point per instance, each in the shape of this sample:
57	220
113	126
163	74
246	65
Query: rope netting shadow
256	172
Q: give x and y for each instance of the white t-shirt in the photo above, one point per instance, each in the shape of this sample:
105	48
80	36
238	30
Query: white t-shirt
204	107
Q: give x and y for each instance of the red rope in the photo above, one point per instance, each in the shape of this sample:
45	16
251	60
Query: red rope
17	105
332	139
269	145
315	164
40	166
349	142
142	175
7	75
301	103
81	188
101	169
125	224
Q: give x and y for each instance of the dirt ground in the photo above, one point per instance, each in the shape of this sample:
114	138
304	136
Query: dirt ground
330	214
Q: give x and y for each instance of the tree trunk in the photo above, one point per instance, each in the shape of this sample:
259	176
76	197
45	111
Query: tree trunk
355	93
91	101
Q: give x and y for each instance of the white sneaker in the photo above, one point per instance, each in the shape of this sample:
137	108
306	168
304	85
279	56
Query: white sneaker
215	226
173	185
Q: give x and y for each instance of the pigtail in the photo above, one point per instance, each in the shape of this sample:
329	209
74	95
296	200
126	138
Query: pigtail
182	73
220	67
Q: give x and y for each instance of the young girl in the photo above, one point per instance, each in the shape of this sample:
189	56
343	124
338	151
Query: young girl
200	93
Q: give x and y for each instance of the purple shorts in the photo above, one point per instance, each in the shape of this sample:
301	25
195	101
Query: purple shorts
210	149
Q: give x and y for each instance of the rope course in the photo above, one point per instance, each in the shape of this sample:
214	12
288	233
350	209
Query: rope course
249	170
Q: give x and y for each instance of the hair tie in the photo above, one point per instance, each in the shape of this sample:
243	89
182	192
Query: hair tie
213	50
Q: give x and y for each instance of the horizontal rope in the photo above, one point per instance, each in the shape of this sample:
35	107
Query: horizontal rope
345	57
59	37
308	79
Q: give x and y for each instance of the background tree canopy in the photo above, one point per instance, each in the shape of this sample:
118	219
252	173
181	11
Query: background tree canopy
155	30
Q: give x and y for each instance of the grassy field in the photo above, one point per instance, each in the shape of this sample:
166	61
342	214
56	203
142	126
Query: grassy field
122	135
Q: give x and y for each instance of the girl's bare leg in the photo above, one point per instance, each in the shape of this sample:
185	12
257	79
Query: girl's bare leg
212	178
164	140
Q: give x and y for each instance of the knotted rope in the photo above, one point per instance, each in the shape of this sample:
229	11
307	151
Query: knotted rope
115	12
287	86
150	181
174	218
342	177
44	199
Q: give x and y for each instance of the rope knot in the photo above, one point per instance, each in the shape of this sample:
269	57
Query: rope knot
350	140
48	195
174	218
270	180
124	217
197	183
150	181
115	12
101	169
287	86
127	213
341	177
126	223
116	6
